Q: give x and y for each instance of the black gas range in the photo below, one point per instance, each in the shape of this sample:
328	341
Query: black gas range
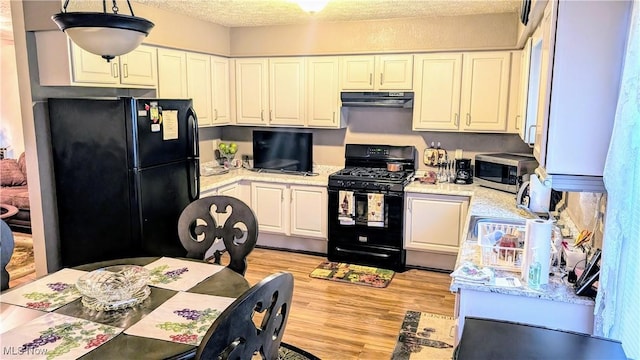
366	206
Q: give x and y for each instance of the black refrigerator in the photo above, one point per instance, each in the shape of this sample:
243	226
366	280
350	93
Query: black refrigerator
124	169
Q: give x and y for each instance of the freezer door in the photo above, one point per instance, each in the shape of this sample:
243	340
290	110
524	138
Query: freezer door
164	131
163	192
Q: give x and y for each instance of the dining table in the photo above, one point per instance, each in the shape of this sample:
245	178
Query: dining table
223	283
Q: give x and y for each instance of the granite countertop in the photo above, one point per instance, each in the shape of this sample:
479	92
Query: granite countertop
238	174
494	203
483	202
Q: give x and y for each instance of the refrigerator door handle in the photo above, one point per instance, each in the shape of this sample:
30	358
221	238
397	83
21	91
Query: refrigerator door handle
194	187
193	119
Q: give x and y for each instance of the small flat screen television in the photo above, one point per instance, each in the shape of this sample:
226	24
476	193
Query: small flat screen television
283	151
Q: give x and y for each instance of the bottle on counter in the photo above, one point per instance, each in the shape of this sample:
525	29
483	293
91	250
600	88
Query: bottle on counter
534	273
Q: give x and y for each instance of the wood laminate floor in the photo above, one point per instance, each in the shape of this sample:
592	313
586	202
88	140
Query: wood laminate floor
344	321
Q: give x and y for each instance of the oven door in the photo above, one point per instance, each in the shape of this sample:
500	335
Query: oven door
364	240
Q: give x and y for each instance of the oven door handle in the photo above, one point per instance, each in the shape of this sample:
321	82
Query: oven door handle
366	192
384	256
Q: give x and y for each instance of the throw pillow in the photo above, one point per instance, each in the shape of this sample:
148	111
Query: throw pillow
10	174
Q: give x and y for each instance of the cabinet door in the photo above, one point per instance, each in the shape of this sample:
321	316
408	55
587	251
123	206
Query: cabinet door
357	72
394	72
323	92
270	202
199	86
309	211
437	92
91	68
286	91
140	67
485	90
542	44
220	90
434	222
525	123
172	74
252	91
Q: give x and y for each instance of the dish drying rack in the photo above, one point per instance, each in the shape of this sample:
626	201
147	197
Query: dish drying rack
501	257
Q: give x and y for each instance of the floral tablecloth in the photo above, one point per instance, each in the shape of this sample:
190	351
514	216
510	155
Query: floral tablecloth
179	275
55	336
184	318
47	293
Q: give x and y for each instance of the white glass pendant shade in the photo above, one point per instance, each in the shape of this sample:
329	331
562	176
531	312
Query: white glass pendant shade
104	34
312	6
105	41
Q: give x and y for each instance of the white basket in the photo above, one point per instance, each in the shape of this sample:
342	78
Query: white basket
499	257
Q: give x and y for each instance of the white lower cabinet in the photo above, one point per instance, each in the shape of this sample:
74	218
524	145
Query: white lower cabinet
434	222
309	211
293	210
271	204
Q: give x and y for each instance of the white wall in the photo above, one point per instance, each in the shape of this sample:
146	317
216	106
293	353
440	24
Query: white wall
11	135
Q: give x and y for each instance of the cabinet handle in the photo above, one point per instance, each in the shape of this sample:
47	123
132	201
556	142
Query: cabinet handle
381	78
456	119
370	78
261	115
333	119
527	134
125	70
215	112
468	119
115	70
270	117
517	122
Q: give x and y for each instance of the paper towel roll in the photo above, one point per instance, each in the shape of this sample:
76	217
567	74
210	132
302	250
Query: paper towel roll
538	247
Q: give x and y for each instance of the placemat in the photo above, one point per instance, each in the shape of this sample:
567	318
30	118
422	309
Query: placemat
184	318
47	293
179	275
55	336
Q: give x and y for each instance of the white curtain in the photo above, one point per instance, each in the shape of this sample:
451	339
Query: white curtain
618	300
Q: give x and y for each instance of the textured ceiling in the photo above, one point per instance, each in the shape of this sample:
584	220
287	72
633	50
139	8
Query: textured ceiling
236	13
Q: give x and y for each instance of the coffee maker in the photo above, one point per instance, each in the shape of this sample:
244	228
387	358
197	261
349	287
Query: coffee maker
464	174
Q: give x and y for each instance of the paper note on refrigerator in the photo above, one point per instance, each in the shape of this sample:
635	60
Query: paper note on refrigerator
169	124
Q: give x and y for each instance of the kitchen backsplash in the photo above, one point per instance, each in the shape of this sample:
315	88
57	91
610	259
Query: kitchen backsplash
382	126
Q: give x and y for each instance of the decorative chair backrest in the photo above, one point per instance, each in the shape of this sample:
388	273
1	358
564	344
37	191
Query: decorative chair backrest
235	334
198	229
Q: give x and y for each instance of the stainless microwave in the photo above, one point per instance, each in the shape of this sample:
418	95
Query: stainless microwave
503	171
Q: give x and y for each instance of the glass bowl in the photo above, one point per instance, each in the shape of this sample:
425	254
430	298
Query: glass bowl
109	286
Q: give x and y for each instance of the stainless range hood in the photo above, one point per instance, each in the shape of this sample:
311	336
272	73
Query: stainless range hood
377	99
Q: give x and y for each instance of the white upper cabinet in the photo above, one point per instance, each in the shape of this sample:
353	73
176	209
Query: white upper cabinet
199	86
172	74
576	115
220	90
140	67
461	91
323	92
377	72
437	91
252	91
62	63
485	91
529	68
287	91
270	92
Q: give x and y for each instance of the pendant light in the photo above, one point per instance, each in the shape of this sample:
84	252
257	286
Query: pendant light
105	34
312	6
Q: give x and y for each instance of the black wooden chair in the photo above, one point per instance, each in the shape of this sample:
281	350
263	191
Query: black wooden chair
198	230
6	251
239	334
